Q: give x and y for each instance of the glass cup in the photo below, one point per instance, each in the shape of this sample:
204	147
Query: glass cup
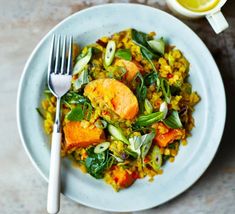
213	15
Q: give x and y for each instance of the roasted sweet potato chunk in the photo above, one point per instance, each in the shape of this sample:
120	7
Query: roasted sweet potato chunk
78	136
113	95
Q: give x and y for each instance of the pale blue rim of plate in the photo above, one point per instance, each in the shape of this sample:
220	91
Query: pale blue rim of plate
223	113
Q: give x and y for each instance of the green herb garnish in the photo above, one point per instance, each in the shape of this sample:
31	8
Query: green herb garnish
147	120
173	120
124	54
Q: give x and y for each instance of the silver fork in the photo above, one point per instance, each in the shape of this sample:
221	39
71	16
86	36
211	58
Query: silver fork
59	81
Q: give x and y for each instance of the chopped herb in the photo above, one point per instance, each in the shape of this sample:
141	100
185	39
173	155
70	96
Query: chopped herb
96	164
173	120
76	114
147	120
124	54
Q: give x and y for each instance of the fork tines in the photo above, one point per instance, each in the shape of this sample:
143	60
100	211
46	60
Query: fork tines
58	63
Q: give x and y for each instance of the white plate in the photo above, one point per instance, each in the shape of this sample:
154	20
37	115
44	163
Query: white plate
87	26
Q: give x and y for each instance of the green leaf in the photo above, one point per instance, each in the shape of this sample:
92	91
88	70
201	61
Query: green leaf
124	54
157	45
82	61
96	164
76	114
139	38
141	91
173	120
166	90
150	78
73	97
82	80
147	120
149	56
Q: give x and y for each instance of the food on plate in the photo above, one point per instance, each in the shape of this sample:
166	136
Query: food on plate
129	107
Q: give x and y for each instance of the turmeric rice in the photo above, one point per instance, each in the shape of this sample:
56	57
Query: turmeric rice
129	107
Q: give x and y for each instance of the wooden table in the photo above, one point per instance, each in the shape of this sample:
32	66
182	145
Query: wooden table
22	190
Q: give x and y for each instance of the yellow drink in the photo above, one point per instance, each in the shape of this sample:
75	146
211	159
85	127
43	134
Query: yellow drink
199	5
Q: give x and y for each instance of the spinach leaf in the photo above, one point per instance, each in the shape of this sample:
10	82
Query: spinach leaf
96	164
141	91
149	56
76	114
124	54
173	120
150	78
72	98
141	39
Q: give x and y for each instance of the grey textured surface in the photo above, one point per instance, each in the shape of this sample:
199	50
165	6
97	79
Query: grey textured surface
22	190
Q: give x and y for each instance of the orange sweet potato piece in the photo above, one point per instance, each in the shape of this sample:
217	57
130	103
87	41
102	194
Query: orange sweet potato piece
132	68
77	136
163	140
114	95
123	178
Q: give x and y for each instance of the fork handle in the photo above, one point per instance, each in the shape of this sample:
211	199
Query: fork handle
53	197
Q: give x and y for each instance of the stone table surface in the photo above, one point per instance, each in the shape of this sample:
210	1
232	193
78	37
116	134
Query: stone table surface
22	189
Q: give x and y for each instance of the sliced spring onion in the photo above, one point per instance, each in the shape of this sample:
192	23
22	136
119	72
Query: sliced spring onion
101	124
101	147
146	120
148	106
157	45
82	62
117	133
81	80
135	144
131	153
156	158
166	90
118	159
164	109
173	120
147	142
109	53
141	144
